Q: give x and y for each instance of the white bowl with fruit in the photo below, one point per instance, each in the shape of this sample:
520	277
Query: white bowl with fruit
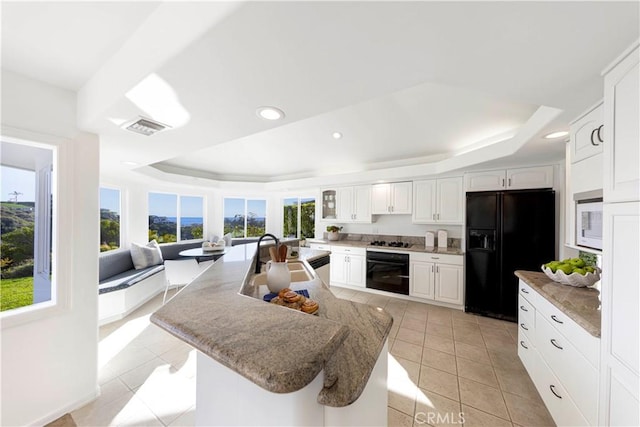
572	271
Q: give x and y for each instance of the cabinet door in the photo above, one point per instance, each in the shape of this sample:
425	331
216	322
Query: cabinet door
449	284
422	278
586	135
535	177
622	131
356	270
338	269
450	201
485	181
328	207
424	201
380	195
362	203
620	354
344	207
401	200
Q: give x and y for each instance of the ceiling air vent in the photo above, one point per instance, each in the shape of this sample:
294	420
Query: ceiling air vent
146	126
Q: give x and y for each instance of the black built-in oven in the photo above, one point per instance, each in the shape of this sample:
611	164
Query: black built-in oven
388	271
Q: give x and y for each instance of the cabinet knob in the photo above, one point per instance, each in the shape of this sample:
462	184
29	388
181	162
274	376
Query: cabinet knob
524	327
598	133
524	291
555	319
523	308
502	182
524	346
509	182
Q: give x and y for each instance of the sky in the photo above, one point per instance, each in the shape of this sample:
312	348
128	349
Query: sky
162	204
236	206
17	180
110	199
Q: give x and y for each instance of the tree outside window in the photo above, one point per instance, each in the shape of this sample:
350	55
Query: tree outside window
244	217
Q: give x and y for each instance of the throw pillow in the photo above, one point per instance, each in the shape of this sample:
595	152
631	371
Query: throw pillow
227	239
144	256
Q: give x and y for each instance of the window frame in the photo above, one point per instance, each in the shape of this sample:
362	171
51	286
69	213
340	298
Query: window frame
178	214
246	200
299	214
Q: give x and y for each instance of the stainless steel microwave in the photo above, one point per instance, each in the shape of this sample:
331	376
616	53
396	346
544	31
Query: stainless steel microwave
589	224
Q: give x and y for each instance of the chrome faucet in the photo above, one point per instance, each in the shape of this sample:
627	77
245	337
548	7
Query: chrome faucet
257	256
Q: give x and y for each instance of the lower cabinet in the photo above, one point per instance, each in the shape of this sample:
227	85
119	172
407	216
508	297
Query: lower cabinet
561	358
437	277
348	266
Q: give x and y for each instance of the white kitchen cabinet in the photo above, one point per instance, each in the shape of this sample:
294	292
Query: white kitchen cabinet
348	266
561	358
353	204
391	198
328	207
586	134
622	130
510	179
438	201
620	373
437	277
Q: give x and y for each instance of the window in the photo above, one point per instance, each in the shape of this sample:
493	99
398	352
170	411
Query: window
173	218
299	217
26	227
109	219
244	217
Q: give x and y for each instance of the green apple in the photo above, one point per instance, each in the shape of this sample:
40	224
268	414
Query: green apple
579	271
589	269
566	268
577	262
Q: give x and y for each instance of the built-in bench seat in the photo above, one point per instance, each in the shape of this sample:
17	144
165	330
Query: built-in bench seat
117	276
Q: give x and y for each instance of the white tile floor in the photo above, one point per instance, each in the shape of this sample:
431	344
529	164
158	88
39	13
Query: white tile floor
442	363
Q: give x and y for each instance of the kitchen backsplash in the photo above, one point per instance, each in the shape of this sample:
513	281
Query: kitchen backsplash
393	225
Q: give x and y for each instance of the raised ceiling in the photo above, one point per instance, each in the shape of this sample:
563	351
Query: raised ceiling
404	82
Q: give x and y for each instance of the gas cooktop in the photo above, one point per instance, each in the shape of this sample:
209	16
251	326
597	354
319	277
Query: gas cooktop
382	243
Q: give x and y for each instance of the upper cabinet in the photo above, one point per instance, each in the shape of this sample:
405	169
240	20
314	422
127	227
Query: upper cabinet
392	198
328	209
510	179
353	204
587	134
438	201
622	134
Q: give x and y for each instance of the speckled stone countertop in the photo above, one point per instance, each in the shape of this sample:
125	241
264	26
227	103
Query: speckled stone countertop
412	248
582	305
277	348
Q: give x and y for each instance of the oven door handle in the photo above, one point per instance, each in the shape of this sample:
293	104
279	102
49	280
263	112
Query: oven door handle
399	264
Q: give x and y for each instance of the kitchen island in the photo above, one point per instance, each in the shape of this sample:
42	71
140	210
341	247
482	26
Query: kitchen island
263	364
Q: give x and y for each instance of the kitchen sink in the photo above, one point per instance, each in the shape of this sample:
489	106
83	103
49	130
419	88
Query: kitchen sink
298	270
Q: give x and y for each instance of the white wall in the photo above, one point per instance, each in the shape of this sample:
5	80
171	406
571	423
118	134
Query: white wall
49	357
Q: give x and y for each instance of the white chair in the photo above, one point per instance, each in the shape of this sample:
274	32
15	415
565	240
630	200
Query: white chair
179	273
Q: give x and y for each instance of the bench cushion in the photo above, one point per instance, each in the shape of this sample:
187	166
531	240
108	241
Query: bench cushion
128	278
114	263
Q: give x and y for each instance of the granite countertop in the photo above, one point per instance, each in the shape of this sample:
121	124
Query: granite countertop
412	248
277	348
582	305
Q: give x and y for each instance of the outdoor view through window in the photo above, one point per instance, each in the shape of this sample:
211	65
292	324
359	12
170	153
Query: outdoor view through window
166	225
25	241
109	219
245	217
299	214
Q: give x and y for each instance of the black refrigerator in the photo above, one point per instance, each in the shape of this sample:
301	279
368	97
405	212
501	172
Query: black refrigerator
505	231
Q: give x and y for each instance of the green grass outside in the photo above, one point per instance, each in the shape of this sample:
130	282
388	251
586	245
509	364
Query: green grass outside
16	293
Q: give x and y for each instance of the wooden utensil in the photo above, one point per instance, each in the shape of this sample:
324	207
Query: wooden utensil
273	254
282	253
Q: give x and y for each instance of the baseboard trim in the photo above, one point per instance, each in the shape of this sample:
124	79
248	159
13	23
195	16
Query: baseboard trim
66	409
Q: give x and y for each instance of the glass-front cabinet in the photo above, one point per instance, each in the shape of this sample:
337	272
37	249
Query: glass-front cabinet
328	204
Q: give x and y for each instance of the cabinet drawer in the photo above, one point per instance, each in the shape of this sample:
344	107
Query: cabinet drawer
528	293
526	317
436	258
526	352
348	250
587	344
563	410
576	374
320	247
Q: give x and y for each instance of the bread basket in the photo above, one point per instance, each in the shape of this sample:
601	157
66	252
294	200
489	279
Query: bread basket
574	279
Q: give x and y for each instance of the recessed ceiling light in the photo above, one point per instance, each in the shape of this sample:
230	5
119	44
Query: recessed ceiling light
129	163
558	134
270	113
336	135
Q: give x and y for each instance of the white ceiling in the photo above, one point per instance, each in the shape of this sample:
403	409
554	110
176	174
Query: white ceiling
405	82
